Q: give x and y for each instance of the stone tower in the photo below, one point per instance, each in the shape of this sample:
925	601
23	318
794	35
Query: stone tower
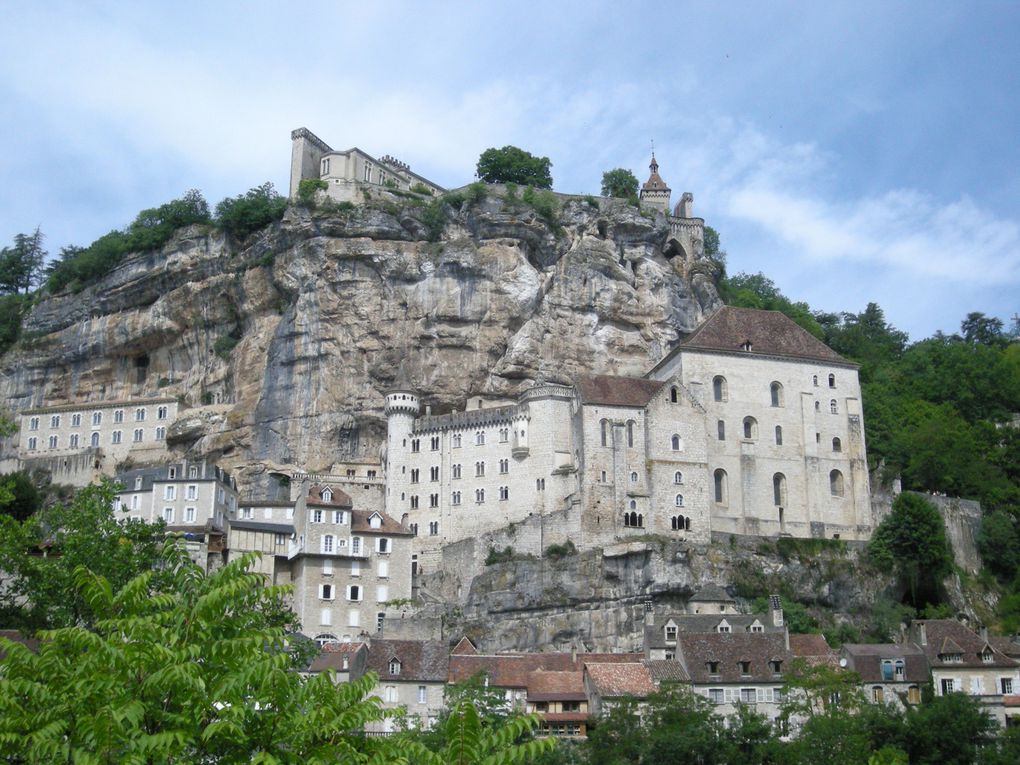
402	406
306	155
655	193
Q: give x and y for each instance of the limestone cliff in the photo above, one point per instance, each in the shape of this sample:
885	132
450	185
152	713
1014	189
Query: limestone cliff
283	346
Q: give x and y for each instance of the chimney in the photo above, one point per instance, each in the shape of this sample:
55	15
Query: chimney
776	611
922	634
573	653
983	631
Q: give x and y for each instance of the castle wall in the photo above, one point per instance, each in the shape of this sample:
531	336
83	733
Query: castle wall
805	457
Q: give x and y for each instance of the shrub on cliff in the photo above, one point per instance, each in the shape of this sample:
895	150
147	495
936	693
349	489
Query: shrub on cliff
243	215
152	228
620	183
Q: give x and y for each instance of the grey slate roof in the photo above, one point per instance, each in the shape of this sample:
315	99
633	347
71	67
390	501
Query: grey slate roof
948	636
667	671
711	593
655	634
866	661
420	660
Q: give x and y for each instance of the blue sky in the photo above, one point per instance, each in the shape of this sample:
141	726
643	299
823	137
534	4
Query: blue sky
852	152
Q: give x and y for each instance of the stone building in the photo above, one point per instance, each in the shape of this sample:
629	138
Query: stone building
348	172
411	675
749	426
891	673
686	233
80	442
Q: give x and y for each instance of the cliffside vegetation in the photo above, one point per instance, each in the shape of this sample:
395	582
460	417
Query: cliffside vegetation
941	413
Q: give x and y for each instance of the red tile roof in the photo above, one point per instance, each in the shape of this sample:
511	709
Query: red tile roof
555	686
615	680
360	522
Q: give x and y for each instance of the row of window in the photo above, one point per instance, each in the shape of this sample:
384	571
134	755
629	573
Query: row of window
720	389
75	442
97	418
329	543
170	491
745	695
457	471
355	592
457	496
837	486
636	520
433	528
456	440
751	433
169	514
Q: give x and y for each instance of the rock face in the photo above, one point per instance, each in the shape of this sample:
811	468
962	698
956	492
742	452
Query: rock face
283	347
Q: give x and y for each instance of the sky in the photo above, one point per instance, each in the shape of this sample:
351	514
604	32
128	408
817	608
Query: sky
853	152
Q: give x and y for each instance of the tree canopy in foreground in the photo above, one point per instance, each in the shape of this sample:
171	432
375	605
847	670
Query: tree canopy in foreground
513	165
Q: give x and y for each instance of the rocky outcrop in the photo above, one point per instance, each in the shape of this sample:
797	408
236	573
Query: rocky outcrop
281	348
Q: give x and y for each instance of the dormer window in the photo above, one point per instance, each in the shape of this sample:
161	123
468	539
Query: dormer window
375	521
671	630
756	626
394	666
987	656
952	658
746	346
327	495
776	666
713	668
745	667
724	626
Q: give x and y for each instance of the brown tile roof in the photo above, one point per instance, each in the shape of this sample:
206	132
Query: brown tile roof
810	645
332	656
654	182
615	680
1007	645
948	636
555	686
360	522
667	671
866	660
464	647
770	333
420	660
726	649
511	670
617	391
339	497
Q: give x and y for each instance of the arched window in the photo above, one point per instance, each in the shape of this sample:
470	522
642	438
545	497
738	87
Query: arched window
750	428
814	379
779	435
680	523
679	500
720	486
676	443
719	388
633	476
832	381
779	489
95	440
833	408
605	432
678	477
837	445
836	483
721	427
818	406
776	390
630	432
633	504
633	520
673	397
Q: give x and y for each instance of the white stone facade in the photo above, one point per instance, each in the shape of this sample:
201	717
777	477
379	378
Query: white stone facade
346	173
102	434
731	440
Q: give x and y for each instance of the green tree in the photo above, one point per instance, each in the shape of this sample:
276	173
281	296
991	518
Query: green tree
39	591
948	730
911	541
243	215
758	291
190	670
978	328
999	544
513	165
22	498
22	265
620	183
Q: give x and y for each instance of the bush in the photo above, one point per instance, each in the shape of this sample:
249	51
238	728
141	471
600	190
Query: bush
243	215
12	311
225	345
421	188
544	203
151	229
307	189
555	552
499	556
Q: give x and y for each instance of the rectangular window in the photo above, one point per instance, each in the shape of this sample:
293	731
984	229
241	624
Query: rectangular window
948	685
356	545
327	563
1006	686
169	492
189	515
382	593
422	694
355	568
316	516
383	569
168	514
325	616
353	618
721	427
192	492
326	591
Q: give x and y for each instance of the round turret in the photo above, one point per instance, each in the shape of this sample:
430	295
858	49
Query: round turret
402	402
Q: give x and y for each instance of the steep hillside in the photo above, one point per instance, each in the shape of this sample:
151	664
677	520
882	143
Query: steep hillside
284	345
